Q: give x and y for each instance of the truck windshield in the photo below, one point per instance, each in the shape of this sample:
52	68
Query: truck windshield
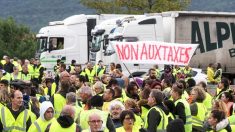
42	44
96	43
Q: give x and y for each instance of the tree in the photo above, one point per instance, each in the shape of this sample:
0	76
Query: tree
135	6
16	40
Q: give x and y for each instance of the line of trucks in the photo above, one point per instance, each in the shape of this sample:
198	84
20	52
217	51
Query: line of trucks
89	37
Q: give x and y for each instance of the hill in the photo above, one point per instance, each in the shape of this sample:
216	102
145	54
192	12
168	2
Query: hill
37	13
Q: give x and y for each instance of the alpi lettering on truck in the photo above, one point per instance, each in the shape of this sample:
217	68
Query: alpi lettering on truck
153	51
223	31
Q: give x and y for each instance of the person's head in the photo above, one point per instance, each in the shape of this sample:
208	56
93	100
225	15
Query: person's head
71	98
79	82
108	95
155	97
95	122
17	99
89	66
96	102
113	83
68	110
98	87
198	94
177	90
152	73
96	79
25	68
145	93
73	62
105	78
130	104
58	61
85	93
219	105
127	118
62	67
118	92
227	97
4	96
115	109
215	117
7	59
203	85
15	69
224	84
218	66
64	76
65	86
156	85
77	67
4	84
119	67
46	111
132	88
112	65
191	82
72	79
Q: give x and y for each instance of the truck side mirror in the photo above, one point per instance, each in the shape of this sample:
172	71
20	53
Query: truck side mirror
106	42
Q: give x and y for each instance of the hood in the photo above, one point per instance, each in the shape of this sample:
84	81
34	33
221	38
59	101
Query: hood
65	121
222	124
44	106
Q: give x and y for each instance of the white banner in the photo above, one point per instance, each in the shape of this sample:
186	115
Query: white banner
153	52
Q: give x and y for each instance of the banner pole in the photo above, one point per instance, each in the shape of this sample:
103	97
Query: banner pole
131	75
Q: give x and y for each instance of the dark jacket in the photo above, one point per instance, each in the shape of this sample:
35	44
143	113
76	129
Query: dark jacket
8	67
65	122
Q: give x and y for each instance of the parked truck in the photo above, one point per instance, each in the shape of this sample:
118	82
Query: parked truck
213	31
68	39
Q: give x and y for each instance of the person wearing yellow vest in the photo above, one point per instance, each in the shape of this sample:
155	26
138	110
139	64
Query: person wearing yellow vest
96	103
127	118
65	122
224	87
99	68
108	96
210	74
72	100
38	71
98	88
5	75
115	109
182	110
217	116
8	66
59	99
218	73
177	72
208	99
72	67
25	75
46	117
90	72
187	71
30	66
50	88
95	124
85	93
156	119
14	117
3	61
198	109
15	74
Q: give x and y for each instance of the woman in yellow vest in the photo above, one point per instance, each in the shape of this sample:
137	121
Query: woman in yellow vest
227	98
223	86
198	109
216	117
127	118
182	110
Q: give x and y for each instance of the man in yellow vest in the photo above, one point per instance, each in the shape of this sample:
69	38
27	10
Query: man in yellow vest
25	75
38	71
65	122
210	74
14	116
71	99
99	68
46	117
15	74
95	123
90	72
156	119
72	66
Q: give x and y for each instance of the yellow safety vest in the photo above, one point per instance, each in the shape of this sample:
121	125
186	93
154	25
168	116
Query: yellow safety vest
59	103
201	115
53	89
90	74
37	71
10	123
17	77
84	117
71	69
134	129
188	124
55	127
39	125
101	72
208	102
77	111
7	77
31	70
231	119
26	77
3	62
163	123
144	112
138	120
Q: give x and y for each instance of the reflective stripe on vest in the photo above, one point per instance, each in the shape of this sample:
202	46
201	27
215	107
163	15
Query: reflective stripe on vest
5	124
37	126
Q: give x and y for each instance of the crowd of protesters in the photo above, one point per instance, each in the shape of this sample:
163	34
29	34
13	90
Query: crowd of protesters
96	98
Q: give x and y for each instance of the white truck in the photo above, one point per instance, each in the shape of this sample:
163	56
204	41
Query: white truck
213	31
68	39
